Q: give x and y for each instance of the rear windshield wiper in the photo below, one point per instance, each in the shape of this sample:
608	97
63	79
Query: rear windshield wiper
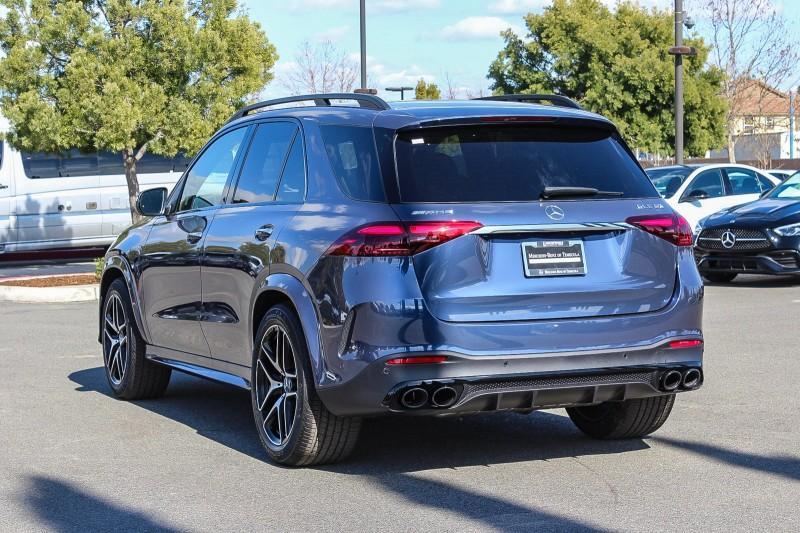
575	192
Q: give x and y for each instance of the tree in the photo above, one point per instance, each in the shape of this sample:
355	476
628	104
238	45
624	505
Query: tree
751	42
615	62
426	91
321	68
126	76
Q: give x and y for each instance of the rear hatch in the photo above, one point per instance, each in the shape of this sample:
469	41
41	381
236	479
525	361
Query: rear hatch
544	248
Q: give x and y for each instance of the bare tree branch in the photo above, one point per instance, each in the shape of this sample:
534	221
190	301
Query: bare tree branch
320	68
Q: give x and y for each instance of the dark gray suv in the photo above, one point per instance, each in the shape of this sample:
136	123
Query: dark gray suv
352	258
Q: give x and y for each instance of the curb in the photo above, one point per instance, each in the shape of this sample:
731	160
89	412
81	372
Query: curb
73	293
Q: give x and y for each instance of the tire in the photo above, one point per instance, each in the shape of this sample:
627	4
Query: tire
315	435
719	277
130	374
623	420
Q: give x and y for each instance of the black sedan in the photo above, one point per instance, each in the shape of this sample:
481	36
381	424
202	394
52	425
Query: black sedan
761	237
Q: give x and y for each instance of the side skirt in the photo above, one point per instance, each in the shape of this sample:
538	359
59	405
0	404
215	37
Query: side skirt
203	367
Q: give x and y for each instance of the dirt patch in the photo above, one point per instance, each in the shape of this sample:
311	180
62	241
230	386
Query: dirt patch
53	281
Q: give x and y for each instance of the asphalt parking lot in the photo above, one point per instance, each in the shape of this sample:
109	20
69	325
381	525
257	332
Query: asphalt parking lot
75	459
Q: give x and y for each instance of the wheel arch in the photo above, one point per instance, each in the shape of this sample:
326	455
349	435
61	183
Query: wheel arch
116	267
286	289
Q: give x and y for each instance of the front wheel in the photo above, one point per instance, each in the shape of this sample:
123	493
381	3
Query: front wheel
129	373
623	420
719	277
294	426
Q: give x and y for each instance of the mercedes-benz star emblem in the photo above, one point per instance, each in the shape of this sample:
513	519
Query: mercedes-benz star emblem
728	239
554	212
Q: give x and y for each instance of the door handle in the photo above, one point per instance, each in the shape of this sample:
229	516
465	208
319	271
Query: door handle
194	237
264	232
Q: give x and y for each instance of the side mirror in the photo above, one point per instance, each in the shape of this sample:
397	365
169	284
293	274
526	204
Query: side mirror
151	202
697	194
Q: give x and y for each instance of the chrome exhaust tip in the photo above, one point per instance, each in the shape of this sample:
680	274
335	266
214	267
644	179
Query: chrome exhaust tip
444	397
414	398
671	380
691	378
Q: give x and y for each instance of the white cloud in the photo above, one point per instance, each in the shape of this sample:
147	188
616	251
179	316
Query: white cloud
333	34
381	76
517	6
472	28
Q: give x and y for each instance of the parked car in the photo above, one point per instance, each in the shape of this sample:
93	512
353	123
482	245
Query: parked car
782	173
696	191
357	258
67	201
762	237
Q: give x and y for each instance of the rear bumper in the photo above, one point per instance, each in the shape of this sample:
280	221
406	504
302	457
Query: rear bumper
775	262
513	383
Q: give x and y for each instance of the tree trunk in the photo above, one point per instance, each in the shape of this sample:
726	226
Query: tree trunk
731	147
129	159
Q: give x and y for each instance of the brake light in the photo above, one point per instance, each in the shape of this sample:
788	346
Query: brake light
419	360
688	343
672	228
523	118
387	239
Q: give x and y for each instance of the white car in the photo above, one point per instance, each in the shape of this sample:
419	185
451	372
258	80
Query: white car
63	202
782	173
697	191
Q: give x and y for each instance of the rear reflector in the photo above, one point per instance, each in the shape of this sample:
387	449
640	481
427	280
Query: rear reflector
672	228
419	360
689	343
387	239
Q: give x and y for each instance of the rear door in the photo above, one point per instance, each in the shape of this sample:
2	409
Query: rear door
242	241
533	258
7	233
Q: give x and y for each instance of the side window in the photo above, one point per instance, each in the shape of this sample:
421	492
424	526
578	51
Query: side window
765	184
205	182
707	184
743	181
264	161
354	160
293	182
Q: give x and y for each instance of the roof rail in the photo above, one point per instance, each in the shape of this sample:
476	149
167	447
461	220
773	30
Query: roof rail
555	99
368	101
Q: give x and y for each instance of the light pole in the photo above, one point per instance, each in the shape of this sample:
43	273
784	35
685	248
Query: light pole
679	50
401	90
363	44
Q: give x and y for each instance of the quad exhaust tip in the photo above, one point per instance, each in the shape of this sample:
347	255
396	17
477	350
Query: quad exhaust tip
414	398
691	378
671	380
444	397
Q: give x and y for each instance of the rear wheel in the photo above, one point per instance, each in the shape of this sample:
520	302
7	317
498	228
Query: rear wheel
129	373
623	420
719	277
294	426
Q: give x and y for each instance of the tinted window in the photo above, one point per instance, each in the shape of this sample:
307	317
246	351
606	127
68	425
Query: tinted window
502	163
293	182
668	181
75	163
765	184
206	180
743	181
351	151
264	161
707	184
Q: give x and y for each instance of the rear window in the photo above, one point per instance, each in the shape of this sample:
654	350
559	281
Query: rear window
351	151
512	164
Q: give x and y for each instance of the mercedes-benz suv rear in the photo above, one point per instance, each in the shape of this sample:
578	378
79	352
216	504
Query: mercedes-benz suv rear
445	258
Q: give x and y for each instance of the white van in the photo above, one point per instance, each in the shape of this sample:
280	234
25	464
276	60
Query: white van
71	200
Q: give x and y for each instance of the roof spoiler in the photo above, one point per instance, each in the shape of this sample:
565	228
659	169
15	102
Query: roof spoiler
368	101
553	99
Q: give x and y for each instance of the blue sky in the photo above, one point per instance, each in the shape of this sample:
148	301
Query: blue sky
409	39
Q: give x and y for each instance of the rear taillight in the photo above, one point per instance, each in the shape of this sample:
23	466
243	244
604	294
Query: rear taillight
418	360
389	239
672	228
686	343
